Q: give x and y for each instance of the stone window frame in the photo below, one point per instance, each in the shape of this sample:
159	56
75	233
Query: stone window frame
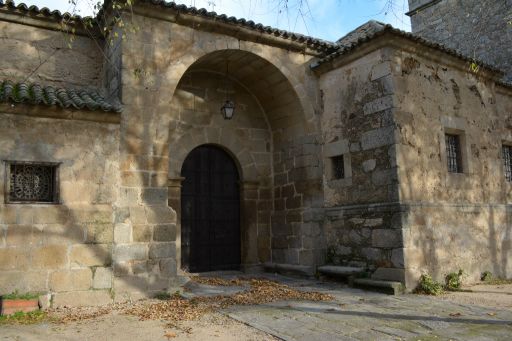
333	150
55	180
453	125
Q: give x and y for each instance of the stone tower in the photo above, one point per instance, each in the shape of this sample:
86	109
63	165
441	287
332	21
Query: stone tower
481	29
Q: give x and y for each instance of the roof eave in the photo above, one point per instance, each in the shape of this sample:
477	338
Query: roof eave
46	19
390	37
290	41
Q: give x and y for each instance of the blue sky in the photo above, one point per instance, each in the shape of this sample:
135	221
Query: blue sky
326	19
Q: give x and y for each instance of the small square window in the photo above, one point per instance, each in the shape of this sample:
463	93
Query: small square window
338	167
31	182
453	153
507	162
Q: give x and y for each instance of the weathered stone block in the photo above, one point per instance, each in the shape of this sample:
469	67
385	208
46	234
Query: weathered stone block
50	257
378	138
294	202
102	233
50	215
90	255
7	215
384	177
381	70
24	215
122	233
369	165
142	233
130	284
162	250
160	215
71	280
63	234
164	233
155	196
377	105
14	259
23	235
98	214
389	274
102	278
373	222
121	268
397	258
123	253
23	281
81	298
372	254
387	238
138	215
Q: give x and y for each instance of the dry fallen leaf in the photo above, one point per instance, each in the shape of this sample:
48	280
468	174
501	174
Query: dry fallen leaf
170	335
491	314
177	309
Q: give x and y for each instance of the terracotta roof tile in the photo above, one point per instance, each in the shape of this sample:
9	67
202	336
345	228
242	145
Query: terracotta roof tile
373	29
36	94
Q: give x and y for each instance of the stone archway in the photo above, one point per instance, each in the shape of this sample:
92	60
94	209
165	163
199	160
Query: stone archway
269	136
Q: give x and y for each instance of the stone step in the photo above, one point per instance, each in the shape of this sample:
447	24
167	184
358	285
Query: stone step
386	287
339	271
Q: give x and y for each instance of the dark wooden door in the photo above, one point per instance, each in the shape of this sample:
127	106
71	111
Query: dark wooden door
210	211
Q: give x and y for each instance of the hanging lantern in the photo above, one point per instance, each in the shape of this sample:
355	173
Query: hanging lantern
228	110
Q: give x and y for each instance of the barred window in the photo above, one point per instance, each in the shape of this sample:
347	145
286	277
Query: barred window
338	167
453	153
507	162
31	182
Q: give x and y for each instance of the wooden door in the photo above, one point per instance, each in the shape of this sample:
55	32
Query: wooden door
210	211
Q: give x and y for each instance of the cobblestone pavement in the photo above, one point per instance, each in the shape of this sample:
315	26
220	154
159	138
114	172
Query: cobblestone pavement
362	315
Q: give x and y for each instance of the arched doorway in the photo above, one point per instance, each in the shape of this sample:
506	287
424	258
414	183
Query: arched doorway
210	211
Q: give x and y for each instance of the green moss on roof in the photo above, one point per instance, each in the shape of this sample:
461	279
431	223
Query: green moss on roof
36	94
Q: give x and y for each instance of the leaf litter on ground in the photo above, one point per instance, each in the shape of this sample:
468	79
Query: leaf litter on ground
177	308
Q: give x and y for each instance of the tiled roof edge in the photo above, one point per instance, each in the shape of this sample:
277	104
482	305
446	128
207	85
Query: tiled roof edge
44	11
314	43
410	36
36	94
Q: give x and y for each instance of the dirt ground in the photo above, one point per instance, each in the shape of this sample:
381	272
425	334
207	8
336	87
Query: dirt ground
115	326
491	296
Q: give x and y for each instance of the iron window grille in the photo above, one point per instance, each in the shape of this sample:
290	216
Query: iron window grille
507	162
453	153
31	182
338	167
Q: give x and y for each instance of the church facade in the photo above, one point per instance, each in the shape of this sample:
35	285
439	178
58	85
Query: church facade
123	169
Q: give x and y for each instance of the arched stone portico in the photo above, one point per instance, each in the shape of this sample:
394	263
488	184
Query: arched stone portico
268	118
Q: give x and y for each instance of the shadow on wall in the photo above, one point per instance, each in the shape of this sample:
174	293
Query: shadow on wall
446	235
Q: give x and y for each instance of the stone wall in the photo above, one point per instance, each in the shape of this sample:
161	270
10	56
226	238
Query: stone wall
452	220
43	56
357	122
63	248
478	29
